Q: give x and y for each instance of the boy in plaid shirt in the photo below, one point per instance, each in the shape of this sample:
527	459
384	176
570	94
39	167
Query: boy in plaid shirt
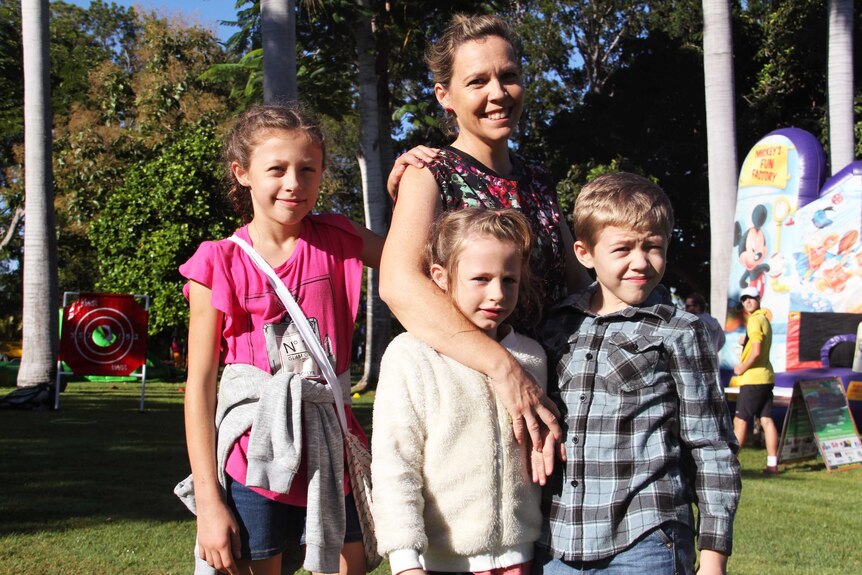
648	431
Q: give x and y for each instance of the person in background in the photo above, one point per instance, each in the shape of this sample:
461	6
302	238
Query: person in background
696	304
756	378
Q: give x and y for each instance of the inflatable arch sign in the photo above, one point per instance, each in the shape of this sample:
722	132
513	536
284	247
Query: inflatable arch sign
797	241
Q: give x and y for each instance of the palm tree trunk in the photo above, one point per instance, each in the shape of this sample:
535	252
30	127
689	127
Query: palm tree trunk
373	190
278	32
841	145
721	146
41	301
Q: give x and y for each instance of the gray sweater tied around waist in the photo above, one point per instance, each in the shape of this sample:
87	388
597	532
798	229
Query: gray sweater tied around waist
274	407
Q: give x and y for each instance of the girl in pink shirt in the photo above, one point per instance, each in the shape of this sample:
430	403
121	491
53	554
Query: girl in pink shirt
276	158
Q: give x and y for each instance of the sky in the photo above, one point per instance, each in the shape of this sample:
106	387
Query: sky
204	12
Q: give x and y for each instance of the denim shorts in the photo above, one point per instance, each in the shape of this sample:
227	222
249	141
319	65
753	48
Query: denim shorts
666	550
267	527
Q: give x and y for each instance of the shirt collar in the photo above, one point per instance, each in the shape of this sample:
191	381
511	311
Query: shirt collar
657	304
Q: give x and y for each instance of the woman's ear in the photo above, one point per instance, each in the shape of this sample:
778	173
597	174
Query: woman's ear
240	173
440	277
442	94
584	255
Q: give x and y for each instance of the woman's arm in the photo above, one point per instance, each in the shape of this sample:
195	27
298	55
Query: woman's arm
218	533
429	315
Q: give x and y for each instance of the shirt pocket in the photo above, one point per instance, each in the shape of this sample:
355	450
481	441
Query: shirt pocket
633	362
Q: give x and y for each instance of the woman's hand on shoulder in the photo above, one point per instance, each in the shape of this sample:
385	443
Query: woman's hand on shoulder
418	157
218	537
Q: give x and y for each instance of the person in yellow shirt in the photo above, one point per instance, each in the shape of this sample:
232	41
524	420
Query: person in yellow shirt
756	378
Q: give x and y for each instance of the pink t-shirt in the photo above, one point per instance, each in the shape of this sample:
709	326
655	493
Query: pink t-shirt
323	274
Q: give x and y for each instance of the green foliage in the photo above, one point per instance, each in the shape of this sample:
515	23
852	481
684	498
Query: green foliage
79	40
11	80
247	38
133	104
341	189
154	221
325	56
609	84
789	84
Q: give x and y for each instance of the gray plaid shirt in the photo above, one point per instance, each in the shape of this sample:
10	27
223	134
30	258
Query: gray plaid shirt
648	431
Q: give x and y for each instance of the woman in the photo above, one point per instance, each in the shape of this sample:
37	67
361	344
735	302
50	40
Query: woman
478	83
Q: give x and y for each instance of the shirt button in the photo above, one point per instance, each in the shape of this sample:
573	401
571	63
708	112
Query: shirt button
589	356
575	440
583	397
574	482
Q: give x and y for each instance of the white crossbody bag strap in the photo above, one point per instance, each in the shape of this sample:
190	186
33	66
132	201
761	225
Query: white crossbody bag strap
311	340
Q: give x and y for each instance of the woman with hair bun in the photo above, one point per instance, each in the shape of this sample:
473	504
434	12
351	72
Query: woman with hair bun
477	74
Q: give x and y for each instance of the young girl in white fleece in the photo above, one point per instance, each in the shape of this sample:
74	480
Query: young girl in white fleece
452	491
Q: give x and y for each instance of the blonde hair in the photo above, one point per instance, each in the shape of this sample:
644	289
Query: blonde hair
623	200
451	231
440	56
248	131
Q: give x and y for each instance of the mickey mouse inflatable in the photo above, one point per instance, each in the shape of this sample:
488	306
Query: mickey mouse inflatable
753	250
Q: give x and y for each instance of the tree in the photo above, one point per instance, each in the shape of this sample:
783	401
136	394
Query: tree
80	40
148	166
841	126
134	104
371	166
721	145
278	31
155	219
600	29
38	361
787	84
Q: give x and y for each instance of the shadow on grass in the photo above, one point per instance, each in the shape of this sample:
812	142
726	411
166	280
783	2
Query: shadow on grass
363	412
790	472
97	459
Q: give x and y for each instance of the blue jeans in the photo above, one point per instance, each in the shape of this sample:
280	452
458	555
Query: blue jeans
666	550
266	527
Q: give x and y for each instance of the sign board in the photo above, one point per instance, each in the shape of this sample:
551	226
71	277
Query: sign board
797	437
857	355
104	334
819	420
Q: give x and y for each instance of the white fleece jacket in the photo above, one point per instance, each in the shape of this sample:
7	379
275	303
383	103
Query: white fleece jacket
451	487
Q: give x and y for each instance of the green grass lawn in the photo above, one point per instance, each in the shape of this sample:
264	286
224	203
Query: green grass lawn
88	490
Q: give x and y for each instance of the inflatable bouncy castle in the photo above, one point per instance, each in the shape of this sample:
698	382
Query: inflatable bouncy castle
797	242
